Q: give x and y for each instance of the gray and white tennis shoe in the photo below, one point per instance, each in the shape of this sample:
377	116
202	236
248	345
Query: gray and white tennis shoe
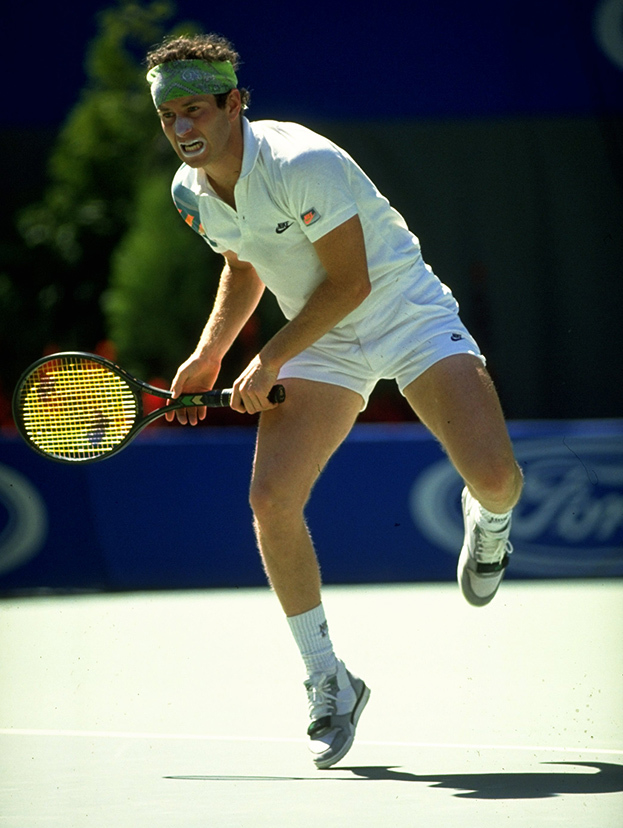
335	704
484	556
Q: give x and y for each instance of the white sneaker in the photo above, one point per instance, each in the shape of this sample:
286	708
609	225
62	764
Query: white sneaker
484	556
335	704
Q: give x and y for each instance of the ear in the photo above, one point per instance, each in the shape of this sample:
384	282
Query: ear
234	104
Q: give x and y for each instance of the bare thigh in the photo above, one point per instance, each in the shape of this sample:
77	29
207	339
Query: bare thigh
457	401
296	440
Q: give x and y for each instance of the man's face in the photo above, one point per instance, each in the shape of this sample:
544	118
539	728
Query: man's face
197	129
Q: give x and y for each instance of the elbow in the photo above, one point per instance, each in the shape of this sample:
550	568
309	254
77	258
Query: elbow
356	294
363	290
348	294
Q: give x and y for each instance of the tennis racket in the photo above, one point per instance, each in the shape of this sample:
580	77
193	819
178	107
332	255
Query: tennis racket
77	407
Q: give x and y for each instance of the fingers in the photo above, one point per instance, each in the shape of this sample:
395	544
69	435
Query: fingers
249	401
246	405
187	416
182	414
252	388
193	376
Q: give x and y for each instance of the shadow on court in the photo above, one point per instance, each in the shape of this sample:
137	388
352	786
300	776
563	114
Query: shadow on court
608	779
537	785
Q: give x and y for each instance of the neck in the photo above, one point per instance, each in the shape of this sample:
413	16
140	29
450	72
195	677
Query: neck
224	173
224	192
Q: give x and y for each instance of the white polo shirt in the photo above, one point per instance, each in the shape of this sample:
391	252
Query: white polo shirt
295	186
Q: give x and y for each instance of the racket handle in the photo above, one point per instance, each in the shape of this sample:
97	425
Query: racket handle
277	394
222	398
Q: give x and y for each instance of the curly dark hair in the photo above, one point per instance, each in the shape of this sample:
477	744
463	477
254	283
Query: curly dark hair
208	47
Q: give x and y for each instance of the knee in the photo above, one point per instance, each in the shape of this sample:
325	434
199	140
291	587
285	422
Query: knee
497	484
271	501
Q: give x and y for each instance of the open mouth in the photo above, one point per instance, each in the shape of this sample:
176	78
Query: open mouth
192	148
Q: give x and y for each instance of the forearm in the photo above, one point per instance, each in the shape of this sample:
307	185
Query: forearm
347	283
238	295
239	292
326	307
342	254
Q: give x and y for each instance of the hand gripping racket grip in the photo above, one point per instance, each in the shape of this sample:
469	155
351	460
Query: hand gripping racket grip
222	398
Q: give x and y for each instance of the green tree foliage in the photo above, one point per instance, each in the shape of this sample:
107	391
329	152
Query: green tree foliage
106	141
104	254
162	286
52	282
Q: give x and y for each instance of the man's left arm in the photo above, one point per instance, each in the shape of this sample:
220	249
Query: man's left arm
342	254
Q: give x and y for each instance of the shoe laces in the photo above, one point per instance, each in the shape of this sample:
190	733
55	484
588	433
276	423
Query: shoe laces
489	547
322	692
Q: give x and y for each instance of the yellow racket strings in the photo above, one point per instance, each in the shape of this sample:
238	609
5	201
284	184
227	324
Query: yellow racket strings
76	408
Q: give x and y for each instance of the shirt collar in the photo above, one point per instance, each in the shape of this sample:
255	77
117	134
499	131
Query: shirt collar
251	148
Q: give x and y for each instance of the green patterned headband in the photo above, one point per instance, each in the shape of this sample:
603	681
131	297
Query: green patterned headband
178	78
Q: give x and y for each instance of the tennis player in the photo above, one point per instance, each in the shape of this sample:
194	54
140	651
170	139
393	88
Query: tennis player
292	212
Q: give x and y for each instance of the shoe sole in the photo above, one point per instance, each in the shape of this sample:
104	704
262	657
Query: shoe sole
466	588
356	715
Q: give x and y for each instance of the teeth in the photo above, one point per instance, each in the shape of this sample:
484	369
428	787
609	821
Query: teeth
192	148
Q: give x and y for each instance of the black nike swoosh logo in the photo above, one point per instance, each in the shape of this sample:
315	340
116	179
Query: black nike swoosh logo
283	226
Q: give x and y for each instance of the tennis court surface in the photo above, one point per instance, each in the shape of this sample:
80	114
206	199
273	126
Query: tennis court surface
186	710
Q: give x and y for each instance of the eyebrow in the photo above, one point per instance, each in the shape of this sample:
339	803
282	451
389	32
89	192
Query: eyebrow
191	99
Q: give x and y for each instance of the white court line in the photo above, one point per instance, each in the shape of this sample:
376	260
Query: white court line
120	734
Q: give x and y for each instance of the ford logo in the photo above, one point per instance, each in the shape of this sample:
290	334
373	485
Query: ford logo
569	521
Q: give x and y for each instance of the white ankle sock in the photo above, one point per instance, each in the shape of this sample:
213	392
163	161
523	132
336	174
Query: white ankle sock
311	633
493	520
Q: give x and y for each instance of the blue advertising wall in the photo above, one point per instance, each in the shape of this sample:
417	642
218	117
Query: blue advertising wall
171	510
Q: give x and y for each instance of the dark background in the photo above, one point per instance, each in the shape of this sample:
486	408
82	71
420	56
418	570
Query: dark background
495	128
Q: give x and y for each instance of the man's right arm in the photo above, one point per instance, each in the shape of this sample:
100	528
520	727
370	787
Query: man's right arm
238	295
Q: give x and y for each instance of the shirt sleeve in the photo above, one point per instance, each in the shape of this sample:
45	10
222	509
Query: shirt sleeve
187	204
319	191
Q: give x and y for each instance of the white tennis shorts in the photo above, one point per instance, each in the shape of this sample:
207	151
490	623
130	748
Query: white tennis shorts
404	334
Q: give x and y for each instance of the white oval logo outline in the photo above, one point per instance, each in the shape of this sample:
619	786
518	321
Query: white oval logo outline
608	30
26	530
